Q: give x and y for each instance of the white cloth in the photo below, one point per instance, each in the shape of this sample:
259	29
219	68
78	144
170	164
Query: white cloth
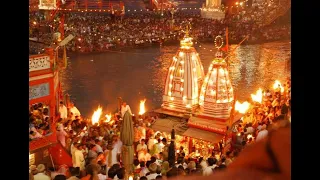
250	130
142	147
98	148
262	134
124	109
41	176
63	112
75	112
79	159
152	176
144	171
118	146
61	136
208	170
102	177
151	142
73	178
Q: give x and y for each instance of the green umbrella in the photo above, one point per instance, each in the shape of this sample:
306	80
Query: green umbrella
126	136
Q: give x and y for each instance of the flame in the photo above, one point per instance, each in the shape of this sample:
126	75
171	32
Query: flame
142	108
108	116
277	84
249	136
96	116
258	96
242	107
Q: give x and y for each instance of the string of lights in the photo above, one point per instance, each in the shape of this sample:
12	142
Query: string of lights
130	10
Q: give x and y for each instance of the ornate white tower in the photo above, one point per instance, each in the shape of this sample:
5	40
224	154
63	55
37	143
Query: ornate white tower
184	79
216	95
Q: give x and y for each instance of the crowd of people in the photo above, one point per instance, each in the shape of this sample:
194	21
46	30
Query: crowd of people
96	149
39	121
274	111
96	32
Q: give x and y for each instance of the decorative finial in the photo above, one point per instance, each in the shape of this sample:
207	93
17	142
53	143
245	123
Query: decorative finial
186	42
188	28
218	42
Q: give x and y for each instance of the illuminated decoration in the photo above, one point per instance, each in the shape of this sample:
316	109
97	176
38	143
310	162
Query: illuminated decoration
216	95
184	78
142	107
217	40
96	116
47	4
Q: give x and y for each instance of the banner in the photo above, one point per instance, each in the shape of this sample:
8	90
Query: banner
47	4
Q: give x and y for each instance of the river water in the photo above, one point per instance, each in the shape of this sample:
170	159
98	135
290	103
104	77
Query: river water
100	78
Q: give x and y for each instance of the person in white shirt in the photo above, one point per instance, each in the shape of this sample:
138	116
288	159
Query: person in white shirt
125	108
61	135
63	111
113	151
211	166
41	175
263	133
153	171
142	146
152	141
79	160
74	110
98	145
144	169
142	151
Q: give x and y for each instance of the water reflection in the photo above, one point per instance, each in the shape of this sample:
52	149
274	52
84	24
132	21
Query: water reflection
98	79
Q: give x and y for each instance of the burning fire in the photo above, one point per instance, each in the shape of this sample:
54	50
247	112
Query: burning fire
142	108
108	116
242	107
96	116
277	84
249	136
258	96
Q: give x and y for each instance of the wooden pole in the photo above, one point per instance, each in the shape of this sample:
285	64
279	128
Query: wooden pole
52	162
